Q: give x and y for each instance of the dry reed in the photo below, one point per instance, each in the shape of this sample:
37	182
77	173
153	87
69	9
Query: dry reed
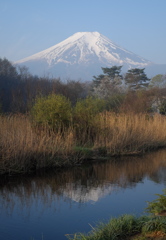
130	133
23	148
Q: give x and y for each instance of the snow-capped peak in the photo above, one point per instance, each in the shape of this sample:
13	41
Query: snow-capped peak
83	49
79	46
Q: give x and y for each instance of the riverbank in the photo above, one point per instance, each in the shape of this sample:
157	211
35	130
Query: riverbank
133	228
127	227
25	147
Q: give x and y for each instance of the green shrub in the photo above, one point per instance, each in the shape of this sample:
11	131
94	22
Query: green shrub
87	108
54	111
114	102
85	117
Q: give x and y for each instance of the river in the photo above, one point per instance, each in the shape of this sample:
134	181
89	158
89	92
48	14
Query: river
51	204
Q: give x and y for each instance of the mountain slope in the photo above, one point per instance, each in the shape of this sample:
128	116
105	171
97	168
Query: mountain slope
81	56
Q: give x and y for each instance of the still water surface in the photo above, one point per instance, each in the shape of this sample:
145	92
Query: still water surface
52	204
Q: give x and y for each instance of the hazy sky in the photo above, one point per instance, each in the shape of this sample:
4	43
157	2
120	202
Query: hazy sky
27	27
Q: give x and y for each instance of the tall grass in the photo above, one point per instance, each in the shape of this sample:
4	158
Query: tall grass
130	133
24	147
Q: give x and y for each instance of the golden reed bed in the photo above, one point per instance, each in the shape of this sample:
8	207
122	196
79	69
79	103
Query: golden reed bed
25	147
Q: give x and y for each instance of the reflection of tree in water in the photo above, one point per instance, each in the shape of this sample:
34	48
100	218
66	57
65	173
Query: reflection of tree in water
81	183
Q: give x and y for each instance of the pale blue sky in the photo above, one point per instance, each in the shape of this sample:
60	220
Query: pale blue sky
30	26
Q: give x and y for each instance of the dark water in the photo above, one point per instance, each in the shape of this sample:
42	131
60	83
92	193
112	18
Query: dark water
52	204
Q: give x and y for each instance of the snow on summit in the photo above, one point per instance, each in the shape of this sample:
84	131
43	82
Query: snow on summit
81	56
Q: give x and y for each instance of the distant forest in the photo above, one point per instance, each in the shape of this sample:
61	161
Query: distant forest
19	89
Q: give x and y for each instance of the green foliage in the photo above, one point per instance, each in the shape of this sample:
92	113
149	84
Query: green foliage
158	205
54	111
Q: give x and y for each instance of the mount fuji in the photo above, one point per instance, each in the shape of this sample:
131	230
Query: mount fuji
81	56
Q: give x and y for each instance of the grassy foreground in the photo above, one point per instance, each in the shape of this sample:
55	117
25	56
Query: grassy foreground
25	147
127	227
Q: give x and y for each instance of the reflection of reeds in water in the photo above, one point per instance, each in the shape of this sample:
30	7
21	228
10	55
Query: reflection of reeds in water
103	177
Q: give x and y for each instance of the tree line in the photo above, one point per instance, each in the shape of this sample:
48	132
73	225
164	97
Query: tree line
133	91
19	88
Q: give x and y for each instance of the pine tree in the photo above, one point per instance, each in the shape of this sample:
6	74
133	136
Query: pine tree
136	78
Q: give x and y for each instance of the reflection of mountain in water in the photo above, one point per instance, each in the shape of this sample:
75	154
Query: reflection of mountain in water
82	184
85	194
